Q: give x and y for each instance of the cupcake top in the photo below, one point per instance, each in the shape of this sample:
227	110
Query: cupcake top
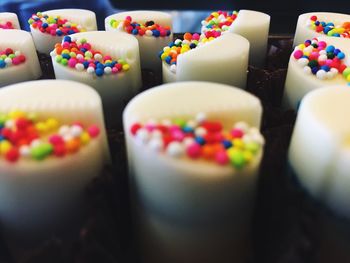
319	151
9	21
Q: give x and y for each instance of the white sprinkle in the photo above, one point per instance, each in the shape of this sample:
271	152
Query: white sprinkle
307	70
98	56
323	52
79	67
334	70
322	58
8	61
90	70
200	131
308	49
258	138
108	70
201	116
64	130
191	123
177	42
156	134
76	131
188	141
35	143
186	42
24	151
17	53
243	126
253	130
330	75
142	136
9	124
166	122
148	33
247	138
175	149
156	144
53	53
173	68
225	28
303	62
79	56
321	74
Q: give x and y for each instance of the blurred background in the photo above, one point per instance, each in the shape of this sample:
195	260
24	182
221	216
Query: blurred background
187	14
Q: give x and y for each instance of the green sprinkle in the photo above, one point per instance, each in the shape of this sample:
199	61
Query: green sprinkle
237	159
42	151
252	147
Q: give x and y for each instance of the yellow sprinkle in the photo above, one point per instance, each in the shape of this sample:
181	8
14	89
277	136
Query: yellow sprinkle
232	151
5	146
163	56
166	49
17	114
348	78
248	156
41	127
85	138
215	14
301	46
52	123
65	51
126	67
238	143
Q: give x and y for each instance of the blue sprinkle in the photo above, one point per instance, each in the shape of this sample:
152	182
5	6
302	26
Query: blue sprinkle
134	32
336	35
44	25
2	64
330	49
67	39
2	138
200	140
171	44
83	50
160	54
168	32
67	56
86	64
336	51
71	32
192	45
341	55
325	68
227	144
330	24
156	33
168	59
59	32
317	23
323	24
100	65
99	72
314	70
327	29
187	129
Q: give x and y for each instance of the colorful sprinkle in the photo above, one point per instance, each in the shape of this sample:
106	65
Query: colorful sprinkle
201	139
9	57
54	25
150	28
22	136
6	25
329	28
81	56
320	59
218	22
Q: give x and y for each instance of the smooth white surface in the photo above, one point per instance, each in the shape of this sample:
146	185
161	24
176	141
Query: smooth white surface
320	147
114	89
173	194
298	83
222	60
30	69
149	46
45	43
254	26
304	31
9	17
37	197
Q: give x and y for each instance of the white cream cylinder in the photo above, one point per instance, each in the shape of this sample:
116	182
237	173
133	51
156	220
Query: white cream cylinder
45	43
38	198
254	26
222	60
299	83
115	89
191	210
303	30
150	46
19	40
9	17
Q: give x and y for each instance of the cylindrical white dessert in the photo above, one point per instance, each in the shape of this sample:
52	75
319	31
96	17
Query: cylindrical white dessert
254	26
191	210
27	66
150	44
9	21
42	189
304	29
300	76
223	60
319	155
84	20
115	87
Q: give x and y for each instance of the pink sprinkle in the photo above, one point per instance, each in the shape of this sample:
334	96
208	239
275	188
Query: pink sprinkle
114	70
329	62
237	133
87	46
298	54
65	45
178	135
322	44
150	127
53	32
128	18
194	151
314	55
72	62
93	131
16	61
107	58
195	36
56	139
221	158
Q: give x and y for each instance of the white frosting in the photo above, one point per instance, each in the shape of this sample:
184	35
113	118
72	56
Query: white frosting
304	31
183	191
223	60
254	26
22	41
45	43
320	148
299	83
10	17
115	89
49	192
149	46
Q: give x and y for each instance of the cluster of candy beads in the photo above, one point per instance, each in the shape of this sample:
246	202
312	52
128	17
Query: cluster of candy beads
217	22
201	139
148	29
324	61
8	58
25	136
6	25
54	25
329	29
80	55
